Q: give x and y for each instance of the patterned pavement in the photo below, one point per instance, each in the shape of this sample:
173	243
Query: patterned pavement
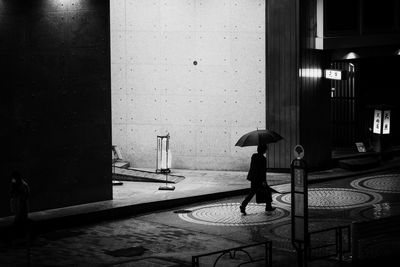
334	198
226	214
170	239
384	183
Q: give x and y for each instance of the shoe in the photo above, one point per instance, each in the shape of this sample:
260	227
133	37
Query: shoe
243	210
270	208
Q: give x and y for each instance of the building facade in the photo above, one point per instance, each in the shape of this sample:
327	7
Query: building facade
55	101
81	76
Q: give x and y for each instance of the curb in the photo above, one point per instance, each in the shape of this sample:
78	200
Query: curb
47	224
121	212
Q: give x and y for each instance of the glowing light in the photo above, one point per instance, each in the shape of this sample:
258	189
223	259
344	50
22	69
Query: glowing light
398	52
351	55
310	73
381	210
333	74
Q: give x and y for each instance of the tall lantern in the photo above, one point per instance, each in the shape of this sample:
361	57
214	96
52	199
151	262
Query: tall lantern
164	160
381	127
163	163
381	121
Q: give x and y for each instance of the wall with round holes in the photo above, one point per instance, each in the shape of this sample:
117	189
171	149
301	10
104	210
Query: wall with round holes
193	68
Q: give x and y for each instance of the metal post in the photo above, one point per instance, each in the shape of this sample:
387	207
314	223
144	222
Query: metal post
299	206
354	243
166	152
195	261
340	245
270	254
157	155
28	243
161	155
337	242
300	258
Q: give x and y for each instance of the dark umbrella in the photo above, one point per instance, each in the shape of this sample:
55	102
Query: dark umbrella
258	137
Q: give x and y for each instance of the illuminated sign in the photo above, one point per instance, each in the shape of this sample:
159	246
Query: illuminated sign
377	121
310	73
386	122
335	74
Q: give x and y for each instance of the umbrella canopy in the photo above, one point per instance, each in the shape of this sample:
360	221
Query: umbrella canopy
258	137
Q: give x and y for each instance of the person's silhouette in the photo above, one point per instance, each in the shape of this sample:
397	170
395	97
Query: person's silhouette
19	204
258	177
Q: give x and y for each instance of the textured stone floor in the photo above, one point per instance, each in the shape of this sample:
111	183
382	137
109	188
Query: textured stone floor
171	237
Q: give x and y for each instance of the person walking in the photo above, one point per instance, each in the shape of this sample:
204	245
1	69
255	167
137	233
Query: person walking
258	178
19	204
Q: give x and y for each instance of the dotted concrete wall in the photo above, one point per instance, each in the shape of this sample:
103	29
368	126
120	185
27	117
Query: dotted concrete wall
193	68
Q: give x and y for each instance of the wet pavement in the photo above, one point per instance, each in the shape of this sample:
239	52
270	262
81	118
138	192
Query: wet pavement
198	185
171	237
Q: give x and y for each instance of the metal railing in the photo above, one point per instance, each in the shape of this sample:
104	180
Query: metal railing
339	249
375	238
232	252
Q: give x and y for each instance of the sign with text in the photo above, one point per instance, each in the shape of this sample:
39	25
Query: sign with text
386	122
299	200
377	121
361	147
335	74
298	179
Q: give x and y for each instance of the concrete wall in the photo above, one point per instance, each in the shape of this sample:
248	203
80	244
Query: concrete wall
157	88
55	101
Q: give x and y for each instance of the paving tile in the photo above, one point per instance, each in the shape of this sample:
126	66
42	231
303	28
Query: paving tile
172	238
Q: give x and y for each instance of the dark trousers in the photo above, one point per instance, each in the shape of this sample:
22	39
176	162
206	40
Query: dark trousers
253	191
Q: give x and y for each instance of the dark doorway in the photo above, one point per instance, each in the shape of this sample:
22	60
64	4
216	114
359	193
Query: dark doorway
344	106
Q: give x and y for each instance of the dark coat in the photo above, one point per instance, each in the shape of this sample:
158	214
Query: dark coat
258	170
19	200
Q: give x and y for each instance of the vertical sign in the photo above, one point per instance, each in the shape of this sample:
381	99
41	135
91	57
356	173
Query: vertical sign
299	201
386	122
377	121
298	208
299	196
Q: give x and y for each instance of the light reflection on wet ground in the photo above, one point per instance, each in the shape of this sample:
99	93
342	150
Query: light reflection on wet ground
166	236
